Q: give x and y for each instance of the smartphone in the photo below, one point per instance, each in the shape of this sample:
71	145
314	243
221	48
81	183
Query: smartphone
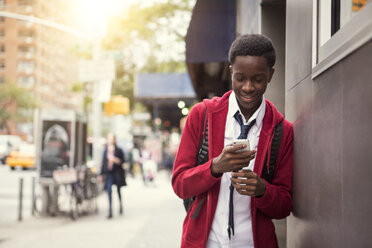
242	142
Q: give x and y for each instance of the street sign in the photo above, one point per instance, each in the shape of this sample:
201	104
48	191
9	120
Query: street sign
95	70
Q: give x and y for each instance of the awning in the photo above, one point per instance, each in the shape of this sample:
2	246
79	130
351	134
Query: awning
212	30
161	92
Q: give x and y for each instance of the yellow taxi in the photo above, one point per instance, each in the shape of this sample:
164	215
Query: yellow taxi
23	157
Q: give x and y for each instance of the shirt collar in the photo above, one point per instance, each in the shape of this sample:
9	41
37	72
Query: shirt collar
258	114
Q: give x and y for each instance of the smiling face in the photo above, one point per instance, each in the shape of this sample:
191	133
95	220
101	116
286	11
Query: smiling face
250	76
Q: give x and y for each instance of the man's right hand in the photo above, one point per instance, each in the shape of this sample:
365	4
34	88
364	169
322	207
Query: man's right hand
231	160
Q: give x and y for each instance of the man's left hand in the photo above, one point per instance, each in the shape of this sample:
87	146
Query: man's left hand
247	182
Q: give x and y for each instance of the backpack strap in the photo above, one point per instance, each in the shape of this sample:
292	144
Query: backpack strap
202	157
203	154
268	173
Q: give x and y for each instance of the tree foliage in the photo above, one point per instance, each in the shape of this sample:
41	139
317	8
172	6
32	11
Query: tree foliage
150	38
79	87
123	85
143	22
14	103
164	67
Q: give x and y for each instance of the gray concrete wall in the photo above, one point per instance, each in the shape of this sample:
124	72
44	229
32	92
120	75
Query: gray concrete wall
269	19
273	25
247	17
332	159
298	41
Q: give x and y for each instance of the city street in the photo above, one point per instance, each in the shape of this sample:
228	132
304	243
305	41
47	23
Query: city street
9	190
152	217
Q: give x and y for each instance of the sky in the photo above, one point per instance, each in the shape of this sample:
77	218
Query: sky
93	14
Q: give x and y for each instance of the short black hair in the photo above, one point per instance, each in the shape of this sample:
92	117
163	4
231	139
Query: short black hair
253	45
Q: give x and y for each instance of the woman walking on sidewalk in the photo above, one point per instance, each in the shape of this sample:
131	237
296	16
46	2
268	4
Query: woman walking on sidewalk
112	170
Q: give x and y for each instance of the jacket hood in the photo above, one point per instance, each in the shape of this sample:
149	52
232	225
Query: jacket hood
276	116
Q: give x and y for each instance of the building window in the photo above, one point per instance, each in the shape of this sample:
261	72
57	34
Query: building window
2	49
335	14
325	9
2	65
2	3
26	66
340	27
25	2
27	51
25	24
2	80
2	33
25	33
27	81
2	19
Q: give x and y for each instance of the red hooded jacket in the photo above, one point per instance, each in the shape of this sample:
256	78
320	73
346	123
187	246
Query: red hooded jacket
189	180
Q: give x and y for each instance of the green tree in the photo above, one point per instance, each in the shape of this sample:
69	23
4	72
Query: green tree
147	22
123	84
14	103
150	39
163	67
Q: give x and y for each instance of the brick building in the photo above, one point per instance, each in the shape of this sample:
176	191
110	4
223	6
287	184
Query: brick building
38	56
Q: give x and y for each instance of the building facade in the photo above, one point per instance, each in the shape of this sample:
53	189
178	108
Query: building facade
328	99
39	57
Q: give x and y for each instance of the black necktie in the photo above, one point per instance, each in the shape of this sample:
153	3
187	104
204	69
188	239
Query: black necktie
244	129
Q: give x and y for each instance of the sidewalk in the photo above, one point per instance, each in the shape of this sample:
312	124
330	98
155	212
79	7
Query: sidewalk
152	218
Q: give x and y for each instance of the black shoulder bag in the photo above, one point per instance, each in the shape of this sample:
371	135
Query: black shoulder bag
201	158
268	174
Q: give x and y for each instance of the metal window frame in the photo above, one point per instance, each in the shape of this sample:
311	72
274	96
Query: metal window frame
335	16
347	39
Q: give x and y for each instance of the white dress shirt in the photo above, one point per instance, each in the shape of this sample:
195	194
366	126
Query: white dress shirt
218	236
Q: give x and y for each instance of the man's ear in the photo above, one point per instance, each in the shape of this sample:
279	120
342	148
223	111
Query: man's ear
230	69
272	70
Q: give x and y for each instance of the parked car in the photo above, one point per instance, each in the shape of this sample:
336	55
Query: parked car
8	143
24	157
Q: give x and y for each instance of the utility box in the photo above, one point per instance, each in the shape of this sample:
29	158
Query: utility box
61	145
60	141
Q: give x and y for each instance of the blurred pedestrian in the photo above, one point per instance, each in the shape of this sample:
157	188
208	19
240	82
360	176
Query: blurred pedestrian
149	166
130	161
237	191
168	159
112	170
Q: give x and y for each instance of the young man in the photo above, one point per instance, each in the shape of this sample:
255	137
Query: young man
233	204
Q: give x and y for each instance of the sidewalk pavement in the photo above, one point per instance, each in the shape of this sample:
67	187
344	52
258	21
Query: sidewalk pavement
152	218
